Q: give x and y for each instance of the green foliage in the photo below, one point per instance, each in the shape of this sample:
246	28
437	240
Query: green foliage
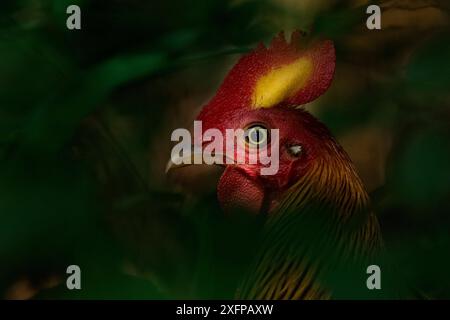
73	183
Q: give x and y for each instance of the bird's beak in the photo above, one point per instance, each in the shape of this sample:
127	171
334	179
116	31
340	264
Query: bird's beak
188	160
179	162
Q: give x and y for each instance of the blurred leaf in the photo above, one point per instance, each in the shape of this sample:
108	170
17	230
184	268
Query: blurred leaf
429	69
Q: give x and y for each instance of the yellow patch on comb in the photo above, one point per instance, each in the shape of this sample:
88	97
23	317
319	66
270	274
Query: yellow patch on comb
281	83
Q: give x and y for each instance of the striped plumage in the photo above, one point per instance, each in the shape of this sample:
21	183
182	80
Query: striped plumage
319	234
322	223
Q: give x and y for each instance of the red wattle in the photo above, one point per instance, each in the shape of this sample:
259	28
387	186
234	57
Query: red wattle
239	192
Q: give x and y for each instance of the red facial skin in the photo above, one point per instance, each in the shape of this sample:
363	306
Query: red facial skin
242	186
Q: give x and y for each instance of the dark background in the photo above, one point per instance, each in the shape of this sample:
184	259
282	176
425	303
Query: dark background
86	117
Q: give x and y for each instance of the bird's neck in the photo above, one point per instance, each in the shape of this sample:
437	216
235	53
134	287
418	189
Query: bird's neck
332	181
322	224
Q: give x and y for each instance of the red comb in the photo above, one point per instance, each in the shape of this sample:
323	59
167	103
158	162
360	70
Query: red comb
238	87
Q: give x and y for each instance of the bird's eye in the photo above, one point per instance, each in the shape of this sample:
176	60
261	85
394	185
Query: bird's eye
257	135
295	150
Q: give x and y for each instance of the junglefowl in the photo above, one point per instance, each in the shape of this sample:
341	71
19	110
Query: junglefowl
318	229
